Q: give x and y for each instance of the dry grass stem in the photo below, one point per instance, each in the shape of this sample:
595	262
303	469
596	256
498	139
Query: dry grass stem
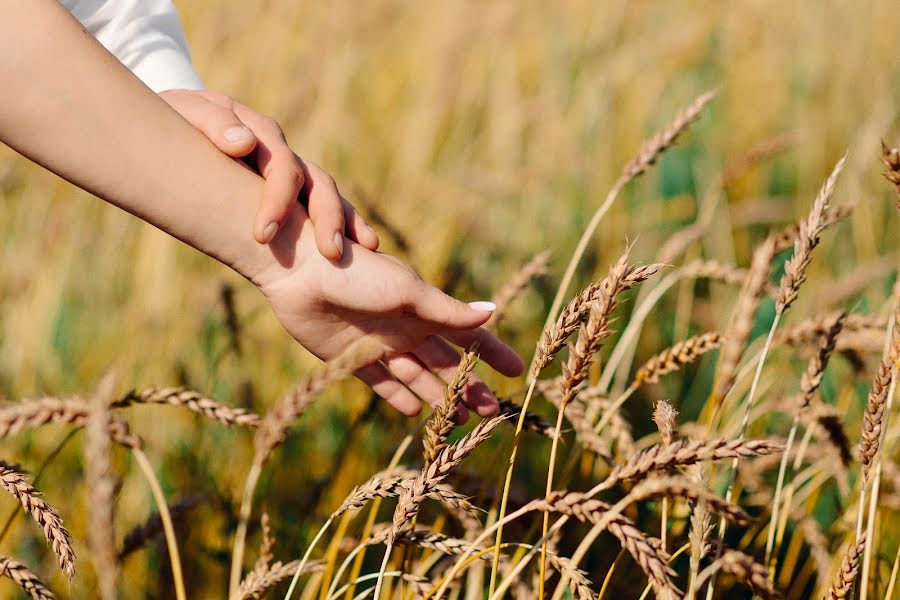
14	482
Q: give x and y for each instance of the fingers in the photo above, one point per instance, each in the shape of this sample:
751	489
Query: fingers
215	120
358	229
431	304
498	355
438	356
381	381
326	211
283	172
417	377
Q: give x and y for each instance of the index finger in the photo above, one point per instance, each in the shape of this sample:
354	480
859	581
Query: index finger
494	352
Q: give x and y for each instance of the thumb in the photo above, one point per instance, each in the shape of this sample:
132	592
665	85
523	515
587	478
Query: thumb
218	123
436	306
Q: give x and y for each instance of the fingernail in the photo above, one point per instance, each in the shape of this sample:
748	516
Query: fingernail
238	134
483	306
339	243
270	231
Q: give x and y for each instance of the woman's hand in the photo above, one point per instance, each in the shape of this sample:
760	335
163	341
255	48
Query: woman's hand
241	132
328	305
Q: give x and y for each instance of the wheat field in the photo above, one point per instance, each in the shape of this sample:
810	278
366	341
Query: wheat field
711	392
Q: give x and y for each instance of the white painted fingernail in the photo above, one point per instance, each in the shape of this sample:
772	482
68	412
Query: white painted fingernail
339	243
483	306
238	133
270	231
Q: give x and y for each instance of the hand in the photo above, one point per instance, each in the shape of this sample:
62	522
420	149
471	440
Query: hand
327	305
241	132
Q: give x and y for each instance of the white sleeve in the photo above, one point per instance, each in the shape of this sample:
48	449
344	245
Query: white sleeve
145	35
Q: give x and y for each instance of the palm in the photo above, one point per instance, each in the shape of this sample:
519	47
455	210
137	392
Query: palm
326	306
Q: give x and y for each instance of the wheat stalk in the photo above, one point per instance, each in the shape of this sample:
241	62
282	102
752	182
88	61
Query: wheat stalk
666	418
24	578
674	358
435	473
442	421
809	384
842	586
746	570
739	331
645	157
14	482
258	583
101	489
274	427
192	401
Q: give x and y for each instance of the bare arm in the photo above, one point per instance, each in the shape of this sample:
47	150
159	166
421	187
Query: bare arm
81	114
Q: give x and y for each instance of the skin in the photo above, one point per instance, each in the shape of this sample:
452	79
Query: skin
120	141
241	132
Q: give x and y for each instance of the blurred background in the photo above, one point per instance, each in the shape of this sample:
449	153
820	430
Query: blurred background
474	135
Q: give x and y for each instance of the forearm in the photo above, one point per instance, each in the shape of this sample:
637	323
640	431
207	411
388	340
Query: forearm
72	107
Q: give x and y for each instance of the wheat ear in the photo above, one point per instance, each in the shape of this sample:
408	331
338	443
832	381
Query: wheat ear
24	578
258	582
441	423
645	157
666	418
101	489
809	384
14	482
575	369
192	401
274	428
842	586
749	572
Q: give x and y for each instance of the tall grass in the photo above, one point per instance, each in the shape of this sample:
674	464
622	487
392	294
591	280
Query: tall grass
479	136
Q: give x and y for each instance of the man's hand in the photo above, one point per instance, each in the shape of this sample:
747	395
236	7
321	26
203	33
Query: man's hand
241	132
326	306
